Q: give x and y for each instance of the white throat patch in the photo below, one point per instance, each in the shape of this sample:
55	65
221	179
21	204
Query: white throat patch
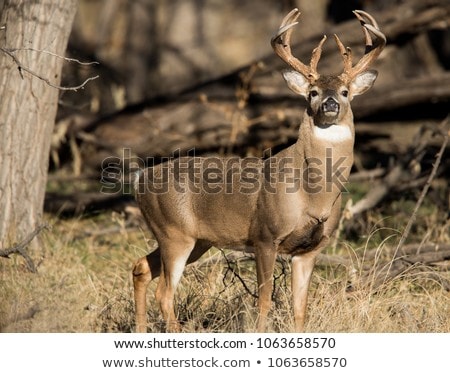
333	133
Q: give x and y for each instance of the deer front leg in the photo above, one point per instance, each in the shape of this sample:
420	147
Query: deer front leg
302	267
145	269
265	263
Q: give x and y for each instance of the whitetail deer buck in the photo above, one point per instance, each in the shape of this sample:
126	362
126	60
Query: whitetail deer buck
289	203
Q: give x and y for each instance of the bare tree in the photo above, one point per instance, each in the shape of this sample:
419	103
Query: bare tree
33	35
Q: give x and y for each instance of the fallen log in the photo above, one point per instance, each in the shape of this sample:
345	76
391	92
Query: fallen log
251	109
220	126
401	172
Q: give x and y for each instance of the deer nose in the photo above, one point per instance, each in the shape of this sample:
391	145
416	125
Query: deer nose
330	105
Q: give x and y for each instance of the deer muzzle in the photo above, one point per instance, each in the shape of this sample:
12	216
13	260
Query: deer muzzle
330	106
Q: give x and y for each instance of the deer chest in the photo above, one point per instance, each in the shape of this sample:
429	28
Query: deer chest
302	240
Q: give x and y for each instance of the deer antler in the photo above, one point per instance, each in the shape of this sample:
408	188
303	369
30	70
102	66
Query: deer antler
372	52
281	43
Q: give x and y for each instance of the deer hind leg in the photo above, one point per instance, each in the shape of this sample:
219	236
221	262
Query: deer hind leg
145	269
148	268
265	263
174	259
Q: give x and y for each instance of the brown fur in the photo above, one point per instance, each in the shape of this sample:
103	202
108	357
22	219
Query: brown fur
289	203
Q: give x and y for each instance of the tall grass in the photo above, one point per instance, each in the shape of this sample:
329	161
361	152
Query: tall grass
84	284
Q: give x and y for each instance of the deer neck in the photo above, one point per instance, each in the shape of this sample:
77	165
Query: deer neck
326	155
317	140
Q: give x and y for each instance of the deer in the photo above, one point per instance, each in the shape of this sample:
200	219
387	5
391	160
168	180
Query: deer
288	203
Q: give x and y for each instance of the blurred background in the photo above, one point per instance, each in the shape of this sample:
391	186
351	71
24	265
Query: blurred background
177	75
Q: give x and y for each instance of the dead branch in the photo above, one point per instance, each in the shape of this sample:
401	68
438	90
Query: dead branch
392	270
85	202
67	59
408	250
20	248
419	248
378	192
329	260
429	257
21	67
367	174
446	129
401	174
407	260
435	88
231	268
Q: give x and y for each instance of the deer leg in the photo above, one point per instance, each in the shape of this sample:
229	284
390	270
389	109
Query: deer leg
265	263
303	265
148	268
302	268
200	248
145	269
164	298
174	257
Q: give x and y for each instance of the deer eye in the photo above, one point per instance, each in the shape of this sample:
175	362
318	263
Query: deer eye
313	93
344	93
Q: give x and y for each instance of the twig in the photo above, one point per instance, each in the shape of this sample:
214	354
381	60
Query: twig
20	247
21	68
424	192
68	59
237	275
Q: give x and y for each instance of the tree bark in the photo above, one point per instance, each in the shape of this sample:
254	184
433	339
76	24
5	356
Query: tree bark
31	30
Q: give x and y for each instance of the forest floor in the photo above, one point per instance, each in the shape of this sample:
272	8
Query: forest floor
83	281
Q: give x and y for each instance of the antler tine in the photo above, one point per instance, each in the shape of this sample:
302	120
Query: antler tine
373	49
368	41
317	52
346	53
281	43
361	13
286	28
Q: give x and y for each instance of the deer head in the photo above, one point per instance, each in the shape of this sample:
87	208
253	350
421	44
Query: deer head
329	96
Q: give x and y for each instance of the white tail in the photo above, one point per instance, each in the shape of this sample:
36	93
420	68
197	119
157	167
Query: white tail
288	203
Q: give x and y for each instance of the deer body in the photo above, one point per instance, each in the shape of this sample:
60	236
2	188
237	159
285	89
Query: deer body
288	203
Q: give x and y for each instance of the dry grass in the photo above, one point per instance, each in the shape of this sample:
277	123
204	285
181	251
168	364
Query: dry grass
83	284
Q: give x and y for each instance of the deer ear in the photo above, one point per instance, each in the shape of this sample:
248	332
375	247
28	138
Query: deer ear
296	82
363	82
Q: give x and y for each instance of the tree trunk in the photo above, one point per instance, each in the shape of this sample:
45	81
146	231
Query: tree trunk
143	52
313	17
28	106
